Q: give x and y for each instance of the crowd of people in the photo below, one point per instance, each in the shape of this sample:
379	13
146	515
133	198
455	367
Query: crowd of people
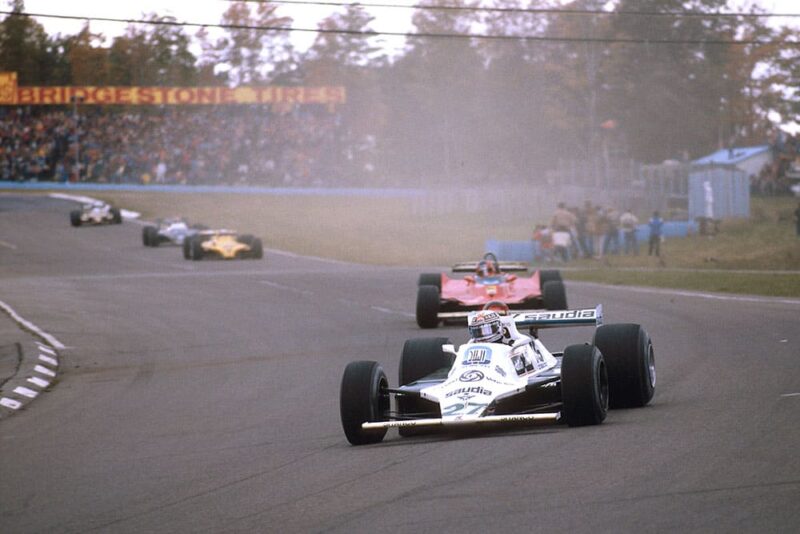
778	175
172	145
593	231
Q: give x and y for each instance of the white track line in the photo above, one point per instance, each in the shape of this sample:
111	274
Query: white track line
44	370
10	403
697	294
30	326
6	244
38	382
26	392
48	360
791	395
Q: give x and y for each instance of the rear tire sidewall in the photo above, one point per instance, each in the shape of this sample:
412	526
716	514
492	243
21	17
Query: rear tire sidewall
420	357
554	295
628	351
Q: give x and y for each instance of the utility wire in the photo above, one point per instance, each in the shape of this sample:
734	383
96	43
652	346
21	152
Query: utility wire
532	10
411	35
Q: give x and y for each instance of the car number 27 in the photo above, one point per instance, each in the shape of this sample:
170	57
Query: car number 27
474	408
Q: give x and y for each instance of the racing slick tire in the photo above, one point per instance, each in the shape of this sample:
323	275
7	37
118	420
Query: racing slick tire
187	248
363	398
428	306
75	217
420	357
430	279
196	249
554	295
584	386
150	236
116	216
628	352
256	249
549	275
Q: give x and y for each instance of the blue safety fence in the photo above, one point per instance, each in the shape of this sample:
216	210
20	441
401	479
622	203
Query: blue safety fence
284	191
526	250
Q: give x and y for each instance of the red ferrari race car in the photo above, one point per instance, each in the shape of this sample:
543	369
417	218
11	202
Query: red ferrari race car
444	299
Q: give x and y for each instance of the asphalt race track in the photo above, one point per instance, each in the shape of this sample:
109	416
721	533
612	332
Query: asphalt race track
203	397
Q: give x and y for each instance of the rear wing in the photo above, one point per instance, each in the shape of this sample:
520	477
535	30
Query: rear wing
505	266
558	318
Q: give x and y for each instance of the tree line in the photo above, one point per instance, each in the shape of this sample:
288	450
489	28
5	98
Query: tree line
440	110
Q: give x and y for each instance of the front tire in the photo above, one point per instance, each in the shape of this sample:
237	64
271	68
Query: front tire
430	279
584	386
187	247
116	216
75	217
428	302
630	358
554	295
363	398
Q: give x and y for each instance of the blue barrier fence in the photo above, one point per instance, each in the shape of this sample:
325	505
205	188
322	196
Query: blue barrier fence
524	250
244	190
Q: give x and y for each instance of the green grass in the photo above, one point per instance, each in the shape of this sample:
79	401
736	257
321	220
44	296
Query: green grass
400	232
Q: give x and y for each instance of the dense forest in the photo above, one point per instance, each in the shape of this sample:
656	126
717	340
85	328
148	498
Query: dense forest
647	82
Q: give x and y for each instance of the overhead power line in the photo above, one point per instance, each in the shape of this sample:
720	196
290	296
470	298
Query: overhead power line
411	35
532	10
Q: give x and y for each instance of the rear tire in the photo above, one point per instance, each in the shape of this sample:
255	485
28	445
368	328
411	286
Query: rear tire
150	236
75	217
116	216
628	352
554	295
584	386
420	357
430	279
363	398
549	275
428	302
196	249
187	247
256	249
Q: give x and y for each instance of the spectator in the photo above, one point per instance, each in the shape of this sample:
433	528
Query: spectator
656	224
628	221
797	220
611	245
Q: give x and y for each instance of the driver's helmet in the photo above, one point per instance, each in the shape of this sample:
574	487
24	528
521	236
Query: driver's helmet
485	326
485	268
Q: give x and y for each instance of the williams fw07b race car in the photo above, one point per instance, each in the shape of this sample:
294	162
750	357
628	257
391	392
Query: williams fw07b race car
494	383
173	230
222	244
95	213
444	299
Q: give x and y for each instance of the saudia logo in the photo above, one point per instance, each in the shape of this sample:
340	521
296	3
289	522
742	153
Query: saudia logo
478	390
573	314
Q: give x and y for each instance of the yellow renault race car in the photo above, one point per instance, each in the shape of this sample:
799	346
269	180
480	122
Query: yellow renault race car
222	244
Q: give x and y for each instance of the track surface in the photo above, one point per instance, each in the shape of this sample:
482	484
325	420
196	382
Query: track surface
203	397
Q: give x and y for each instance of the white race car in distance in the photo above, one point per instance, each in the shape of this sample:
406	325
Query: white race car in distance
95	213
174	230
496	383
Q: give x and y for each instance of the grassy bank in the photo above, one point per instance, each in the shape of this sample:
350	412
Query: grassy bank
399	232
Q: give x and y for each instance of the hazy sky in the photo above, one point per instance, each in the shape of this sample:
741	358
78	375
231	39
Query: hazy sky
210	11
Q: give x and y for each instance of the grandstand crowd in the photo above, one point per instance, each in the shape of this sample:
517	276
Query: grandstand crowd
172	145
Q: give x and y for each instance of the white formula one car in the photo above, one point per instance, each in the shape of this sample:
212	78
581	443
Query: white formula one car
174	230
495	383
95	213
